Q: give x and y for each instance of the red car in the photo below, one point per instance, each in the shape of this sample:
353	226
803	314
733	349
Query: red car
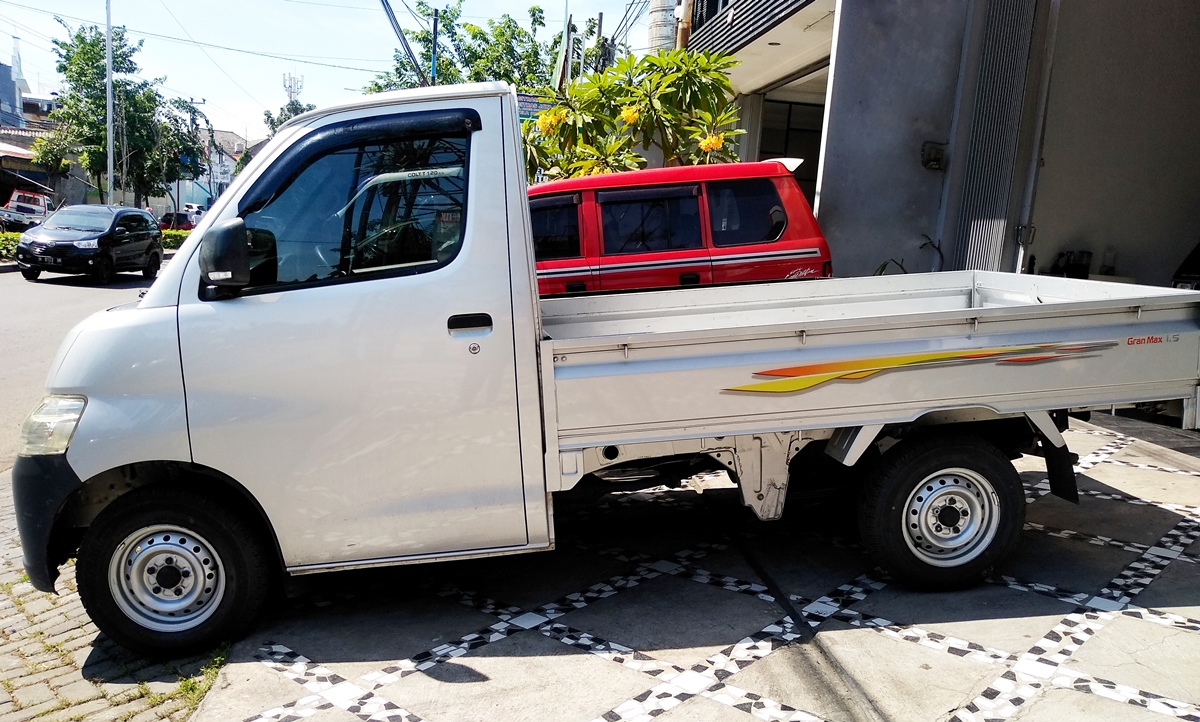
175	222
669	227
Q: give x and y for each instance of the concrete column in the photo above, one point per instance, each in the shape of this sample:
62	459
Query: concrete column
750	112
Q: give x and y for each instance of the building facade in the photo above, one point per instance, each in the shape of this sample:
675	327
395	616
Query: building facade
987	134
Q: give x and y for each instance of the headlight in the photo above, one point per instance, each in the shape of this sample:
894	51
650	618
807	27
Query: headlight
93	243
49	429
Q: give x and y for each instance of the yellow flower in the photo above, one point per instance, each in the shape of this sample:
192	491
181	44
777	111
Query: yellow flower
629	114
548	120
712	142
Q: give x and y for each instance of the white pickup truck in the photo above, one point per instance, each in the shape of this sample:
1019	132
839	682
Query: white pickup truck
347	365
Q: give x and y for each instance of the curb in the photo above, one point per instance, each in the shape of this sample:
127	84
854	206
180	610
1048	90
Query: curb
11	266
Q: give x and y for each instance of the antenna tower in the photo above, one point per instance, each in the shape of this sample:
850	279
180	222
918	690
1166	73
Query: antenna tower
292	86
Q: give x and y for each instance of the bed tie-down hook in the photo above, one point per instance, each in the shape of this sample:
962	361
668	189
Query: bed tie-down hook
803	336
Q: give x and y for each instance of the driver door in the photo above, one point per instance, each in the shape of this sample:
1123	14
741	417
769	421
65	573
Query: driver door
363	387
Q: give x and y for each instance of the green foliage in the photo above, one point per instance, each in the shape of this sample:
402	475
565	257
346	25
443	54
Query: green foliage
8	245
286	113
173	238
243	161
678	101
156	141
504	50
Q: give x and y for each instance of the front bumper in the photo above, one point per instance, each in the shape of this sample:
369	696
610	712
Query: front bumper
58	259
41	485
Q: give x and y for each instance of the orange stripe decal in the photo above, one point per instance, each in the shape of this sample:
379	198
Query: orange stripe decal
801	378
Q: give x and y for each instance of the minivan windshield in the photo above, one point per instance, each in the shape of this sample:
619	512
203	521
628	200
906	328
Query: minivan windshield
80	219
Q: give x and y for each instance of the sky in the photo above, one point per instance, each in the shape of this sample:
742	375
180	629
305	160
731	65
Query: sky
237	87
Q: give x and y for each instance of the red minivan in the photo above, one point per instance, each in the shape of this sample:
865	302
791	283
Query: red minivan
667	227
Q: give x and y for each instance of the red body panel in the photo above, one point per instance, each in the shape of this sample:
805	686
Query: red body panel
799	251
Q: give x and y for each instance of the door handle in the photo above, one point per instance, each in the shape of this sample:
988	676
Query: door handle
469	322
576	287
689	279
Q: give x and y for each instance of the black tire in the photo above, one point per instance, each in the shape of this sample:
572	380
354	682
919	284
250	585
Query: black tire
152	266
103	273
244	569
893	514
30	274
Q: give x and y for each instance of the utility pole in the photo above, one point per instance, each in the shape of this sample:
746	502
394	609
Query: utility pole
433	51
412	57
108	89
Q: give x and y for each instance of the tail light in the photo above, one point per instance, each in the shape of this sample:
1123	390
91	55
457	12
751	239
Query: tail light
827	269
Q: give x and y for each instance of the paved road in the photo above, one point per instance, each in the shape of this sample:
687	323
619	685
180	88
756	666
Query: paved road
34	318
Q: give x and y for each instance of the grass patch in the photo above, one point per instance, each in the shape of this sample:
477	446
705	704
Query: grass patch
191	690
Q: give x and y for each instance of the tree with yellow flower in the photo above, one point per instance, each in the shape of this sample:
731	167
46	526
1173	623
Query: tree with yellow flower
678	102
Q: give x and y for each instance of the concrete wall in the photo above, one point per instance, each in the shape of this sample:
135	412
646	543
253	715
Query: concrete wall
1122	143
893	86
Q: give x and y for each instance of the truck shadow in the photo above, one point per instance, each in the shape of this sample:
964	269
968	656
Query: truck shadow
669	573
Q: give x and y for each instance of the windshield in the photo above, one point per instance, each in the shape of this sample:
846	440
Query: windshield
80	219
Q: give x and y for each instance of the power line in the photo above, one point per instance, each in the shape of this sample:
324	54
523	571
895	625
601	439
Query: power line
159	36
214	62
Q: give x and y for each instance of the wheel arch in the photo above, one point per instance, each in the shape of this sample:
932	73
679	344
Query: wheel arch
92	496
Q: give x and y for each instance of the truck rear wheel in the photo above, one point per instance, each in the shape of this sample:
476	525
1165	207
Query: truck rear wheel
164	571
941	512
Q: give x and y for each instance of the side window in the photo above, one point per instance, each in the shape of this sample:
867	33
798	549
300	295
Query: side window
132	222
745	211
386	206
643	220
151	224
555	227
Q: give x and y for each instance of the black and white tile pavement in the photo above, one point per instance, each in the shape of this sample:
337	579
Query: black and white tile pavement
1025	676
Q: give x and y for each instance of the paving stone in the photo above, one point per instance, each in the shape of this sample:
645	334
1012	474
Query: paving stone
33	694
119	712
78	691
81	711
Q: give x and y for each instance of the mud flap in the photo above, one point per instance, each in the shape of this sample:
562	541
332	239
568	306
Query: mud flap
1060	468
1060	462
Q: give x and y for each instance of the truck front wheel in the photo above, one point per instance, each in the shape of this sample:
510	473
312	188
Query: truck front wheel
165	571
940	512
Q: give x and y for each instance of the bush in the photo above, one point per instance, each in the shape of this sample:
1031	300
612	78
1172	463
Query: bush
8	245
174	239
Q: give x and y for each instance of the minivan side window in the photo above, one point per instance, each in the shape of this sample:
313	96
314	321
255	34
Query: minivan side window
745	211
393	207
555	227
642	220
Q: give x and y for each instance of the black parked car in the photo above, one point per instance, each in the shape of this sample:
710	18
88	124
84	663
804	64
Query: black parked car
96	240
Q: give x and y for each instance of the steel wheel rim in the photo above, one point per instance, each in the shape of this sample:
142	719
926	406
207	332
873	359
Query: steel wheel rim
166	578
951	517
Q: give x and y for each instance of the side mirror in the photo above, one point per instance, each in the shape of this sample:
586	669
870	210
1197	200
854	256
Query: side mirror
225	254
778	223
120	232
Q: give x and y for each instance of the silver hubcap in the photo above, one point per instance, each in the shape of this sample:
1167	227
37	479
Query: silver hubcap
951	517
166	578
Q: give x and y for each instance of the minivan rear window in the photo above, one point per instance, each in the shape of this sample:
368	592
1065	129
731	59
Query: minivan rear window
651	219
555	227
745	211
